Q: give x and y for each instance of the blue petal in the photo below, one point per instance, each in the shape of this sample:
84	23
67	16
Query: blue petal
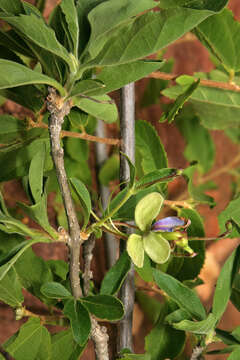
168	224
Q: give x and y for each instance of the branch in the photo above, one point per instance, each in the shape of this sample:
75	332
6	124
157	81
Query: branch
88	247
208	83
58	109
197	353
127	128
100	338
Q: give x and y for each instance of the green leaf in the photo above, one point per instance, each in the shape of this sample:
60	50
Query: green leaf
224	284
135	40
11	128
231	213
190	268
182	295
235	354
32	343
147	210
28	96
105	307
159	342
136	357
199	143
203	327
12	7
59	268
236	333
115	277
71	16
115	77
235	296
135	249
38	212
36	30
148	144
196	192
109	171
177	316
63	346
11	289
13	74
157	248
55	290
157	176
108	16
192	4
145	272
9	265
80	320
216	108
87	87
99	106
224	46
179	102
84	197
150	306
36	174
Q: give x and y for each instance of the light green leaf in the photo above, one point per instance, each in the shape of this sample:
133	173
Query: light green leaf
105	307
55	290
80	320
13	74
99	106
84	197
135	249
147	210
203	327
115	77
224	284
148	144
108	16
12	7
199	144
115	277
36	174
157	248
36	30
221	34
32	343
186	298
11	289
69	9
236	333
179	102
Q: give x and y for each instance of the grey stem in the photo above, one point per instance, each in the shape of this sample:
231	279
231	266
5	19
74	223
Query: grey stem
197	353
111	244
127	129
58	109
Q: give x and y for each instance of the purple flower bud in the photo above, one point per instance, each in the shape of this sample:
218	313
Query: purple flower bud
169	224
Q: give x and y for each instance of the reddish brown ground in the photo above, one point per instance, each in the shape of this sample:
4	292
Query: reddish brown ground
190	57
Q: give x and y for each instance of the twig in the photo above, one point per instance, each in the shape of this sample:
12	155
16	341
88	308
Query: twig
58	109
88	247
127	292
84	136
208	83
